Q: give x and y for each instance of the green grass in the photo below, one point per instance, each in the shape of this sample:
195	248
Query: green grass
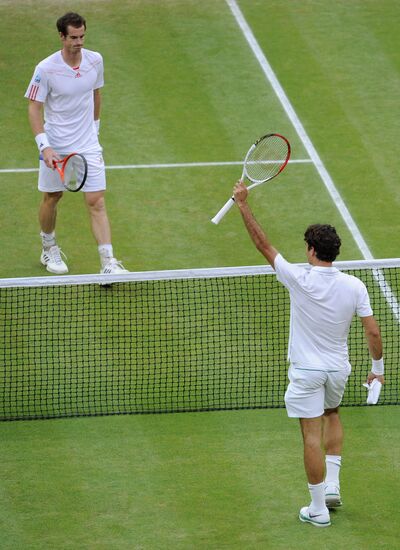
337	65
202	481
161	220
182	86
192	91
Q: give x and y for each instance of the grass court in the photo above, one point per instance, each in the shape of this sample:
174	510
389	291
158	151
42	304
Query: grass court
184	95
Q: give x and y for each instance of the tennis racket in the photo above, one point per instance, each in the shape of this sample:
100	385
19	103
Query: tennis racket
73	171
266	158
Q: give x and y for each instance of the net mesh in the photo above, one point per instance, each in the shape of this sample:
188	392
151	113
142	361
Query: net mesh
181	341
267	158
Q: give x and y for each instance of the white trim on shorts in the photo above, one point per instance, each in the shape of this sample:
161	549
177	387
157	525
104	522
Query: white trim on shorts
49	180
311	391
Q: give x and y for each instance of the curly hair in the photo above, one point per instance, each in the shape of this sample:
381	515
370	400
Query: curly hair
73	19
325	241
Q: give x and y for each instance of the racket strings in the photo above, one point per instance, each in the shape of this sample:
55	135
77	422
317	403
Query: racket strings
267	158
74	171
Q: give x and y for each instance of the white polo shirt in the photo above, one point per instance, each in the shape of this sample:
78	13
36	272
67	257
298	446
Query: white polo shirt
323	301
67	94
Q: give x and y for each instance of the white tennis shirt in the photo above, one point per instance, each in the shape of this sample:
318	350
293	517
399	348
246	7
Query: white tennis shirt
67	94
323	301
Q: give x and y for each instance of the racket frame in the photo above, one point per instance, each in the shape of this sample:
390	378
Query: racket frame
61	170
254	183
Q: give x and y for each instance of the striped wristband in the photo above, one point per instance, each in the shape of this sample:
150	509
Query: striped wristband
42	142
377	366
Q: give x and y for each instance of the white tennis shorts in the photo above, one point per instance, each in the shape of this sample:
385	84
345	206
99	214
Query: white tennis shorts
49	180
310	391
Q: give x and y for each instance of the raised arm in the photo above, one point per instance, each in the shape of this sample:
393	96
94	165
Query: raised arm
255	231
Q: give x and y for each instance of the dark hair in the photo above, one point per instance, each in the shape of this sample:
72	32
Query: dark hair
325	241
73	19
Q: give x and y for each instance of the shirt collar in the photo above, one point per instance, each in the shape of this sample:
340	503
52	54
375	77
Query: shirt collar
322	269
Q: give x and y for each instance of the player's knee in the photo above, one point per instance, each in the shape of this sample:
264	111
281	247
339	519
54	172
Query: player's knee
95	203
52	197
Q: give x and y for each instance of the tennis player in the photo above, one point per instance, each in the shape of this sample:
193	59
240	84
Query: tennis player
323	301
64	113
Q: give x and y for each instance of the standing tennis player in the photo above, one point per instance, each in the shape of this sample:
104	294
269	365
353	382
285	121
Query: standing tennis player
323	302
64	113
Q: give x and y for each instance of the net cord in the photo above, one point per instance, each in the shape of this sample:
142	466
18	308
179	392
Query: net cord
199	273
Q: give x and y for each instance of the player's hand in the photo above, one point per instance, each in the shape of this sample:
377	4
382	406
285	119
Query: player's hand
240	192
49	155
372	376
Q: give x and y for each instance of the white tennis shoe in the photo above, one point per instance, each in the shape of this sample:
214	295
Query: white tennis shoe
53	261
332	495
113	267
319	520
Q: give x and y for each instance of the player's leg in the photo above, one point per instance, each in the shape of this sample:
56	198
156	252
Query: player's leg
52	191
304	399
314	464
95	203
333	435
333	443
48	211
332	432
94	190
100	224
314	460
51	253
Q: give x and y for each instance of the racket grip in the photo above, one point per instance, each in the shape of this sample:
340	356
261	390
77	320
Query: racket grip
219	215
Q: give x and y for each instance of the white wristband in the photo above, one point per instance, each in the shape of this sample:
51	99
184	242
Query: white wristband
377	366
97	124
41	141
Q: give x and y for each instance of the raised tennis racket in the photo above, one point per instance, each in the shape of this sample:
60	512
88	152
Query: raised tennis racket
73	171
266	158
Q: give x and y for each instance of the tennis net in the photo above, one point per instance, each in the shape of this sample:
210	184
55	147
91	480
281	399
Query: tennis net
168	341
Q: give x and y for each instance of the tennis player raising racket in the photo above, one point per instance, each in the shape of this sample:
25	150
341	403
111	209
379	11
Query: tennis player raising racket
66	86
323	302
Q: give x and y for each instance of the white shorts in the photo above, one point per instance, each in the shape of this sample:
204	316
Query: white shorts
49	180
310	391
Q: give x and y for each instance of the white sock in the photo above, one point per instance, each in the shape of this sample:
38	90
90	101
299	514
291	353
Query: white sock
48	239
317	493
106	253
333	463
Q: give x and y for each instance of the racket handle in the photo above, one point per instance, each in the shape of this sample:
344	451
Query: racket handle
219	215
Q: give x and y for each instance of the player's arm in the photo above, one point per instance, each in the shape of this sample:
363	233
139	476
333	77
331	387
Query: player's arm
374	340
256	233
35	114
97	108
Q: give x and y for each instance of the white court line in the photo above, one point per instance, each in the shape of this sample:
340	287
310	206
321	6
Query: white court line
319	165
326	178
155	166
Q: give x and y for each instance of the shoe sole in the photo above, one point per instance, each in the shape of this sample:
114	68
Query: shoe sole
305	519
332	501
50	270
